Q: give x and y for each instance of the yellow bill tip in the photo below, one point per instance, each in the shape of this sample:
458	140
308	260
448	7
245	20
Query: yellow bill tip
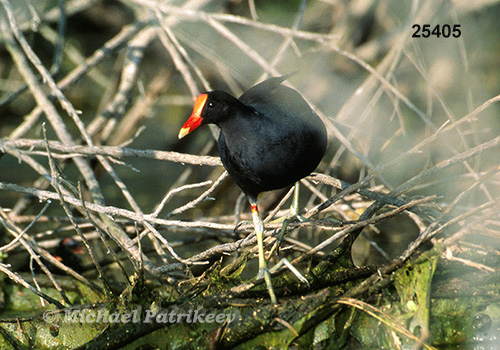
183	132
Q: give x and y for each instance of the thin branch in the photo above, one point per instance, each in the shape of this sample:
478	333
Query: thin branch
110	210
201	198
112	151
19	280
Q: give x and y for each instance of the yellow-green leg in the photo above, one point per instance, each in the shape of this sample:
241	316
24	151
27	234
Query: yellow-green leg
293	214
259	232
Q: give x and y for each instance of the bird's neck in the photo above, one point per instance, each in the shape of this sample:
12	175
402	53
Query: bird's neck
238	120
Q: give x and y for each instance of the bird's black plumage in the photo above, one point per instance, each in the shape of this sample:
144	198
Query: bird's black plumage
270	137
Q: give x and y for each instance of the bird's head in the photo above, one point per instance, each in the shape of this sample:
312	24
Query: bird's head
210	108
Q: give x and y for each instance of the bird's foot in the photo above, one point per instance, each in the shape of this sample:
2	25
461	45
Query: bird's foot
265	273
285	262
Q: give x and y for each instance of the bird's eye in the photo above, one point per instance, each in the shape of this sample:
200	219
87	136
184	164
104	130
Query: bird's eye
211	105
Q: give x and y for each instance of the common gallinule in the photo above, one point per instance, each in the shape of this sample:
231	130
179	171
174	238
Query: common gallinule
270	138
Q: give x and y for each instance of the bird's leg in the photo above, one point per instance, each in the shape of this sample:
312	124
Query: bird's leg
259	232
293	214
294	208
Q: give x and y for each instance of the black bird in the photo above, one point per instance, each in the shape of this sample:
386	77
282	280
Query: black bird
270	138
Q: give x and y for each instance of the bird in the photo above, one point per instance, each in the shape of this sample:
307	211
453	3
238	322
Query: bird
269	139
